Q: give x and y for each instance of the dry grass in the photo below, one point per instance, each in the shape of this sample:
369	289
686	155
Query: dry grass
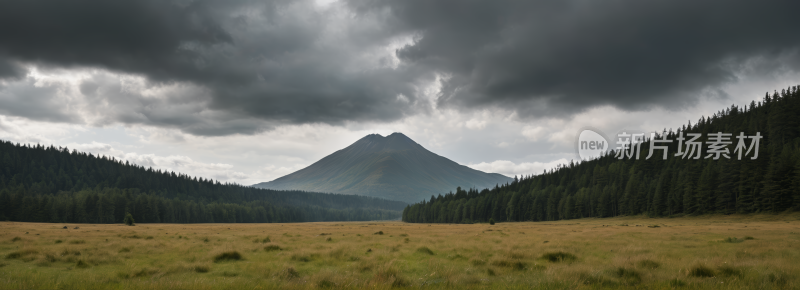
717	252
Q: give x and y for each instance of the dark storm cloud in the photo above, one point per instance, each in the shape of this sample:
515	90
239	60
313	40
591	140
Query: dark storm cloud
272	61
245	66
134	36
570	55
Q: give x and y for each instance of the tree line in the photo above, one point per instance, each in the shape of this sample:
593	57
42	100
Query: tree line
608	186
49	184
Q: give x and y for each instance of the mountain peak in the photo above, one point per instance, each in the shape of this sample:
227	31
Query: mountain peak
392	167
393	135
394	142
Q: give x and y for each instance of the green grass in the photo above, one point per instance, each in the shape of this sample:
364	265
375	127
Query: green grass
683	253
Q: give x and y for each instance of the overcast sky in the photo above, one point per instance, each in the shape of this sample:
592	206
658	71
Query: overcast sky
248	91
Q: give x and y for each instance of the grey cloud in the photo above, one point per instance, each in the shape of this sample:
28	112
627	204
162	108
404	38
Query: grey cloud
133	36
263	62
247	66
182	106
23	98
555	57
10	70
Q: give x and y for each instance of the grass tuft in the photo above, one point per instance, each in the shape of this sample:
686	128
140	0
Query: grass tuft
628	276
272	248
515	265
66	252
456	257
229	274
228	256
16	239
559	257
732	240
21	254
81	264
378	233
398	282
304	257
537	267
778	279
145	272
589	279
390	276
648	264
676	283
425	250
730	271
289	273
326	283
77	242
701	271
202	269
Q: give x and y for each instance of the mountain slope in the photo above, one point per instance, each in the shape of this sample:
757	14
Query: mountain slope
392	167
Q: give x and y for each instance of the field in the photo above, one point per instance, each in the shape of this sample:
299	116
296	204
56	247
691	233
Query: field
716	252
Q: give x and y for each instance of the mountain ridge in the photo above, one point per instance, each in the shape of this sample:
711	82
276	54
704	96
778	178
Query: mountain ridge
392	167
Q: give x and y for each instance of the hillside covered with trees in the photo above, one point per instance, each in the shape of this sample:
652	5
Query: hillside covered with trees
608	186
49	184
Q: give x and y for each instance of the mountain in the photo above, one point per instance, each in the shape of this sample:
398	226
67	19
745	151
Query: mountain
392	167
48	184
609	186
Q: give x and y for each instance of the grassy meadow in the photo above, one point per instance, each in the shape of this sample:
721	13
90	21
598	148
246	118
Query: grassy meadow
716	252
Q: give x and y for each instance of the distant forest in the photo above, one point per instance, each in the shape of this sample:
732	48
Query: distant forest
48	184
608	186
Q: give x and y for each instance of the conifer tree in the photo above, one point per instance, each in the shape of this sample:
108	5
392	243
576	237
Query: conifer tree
129	219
